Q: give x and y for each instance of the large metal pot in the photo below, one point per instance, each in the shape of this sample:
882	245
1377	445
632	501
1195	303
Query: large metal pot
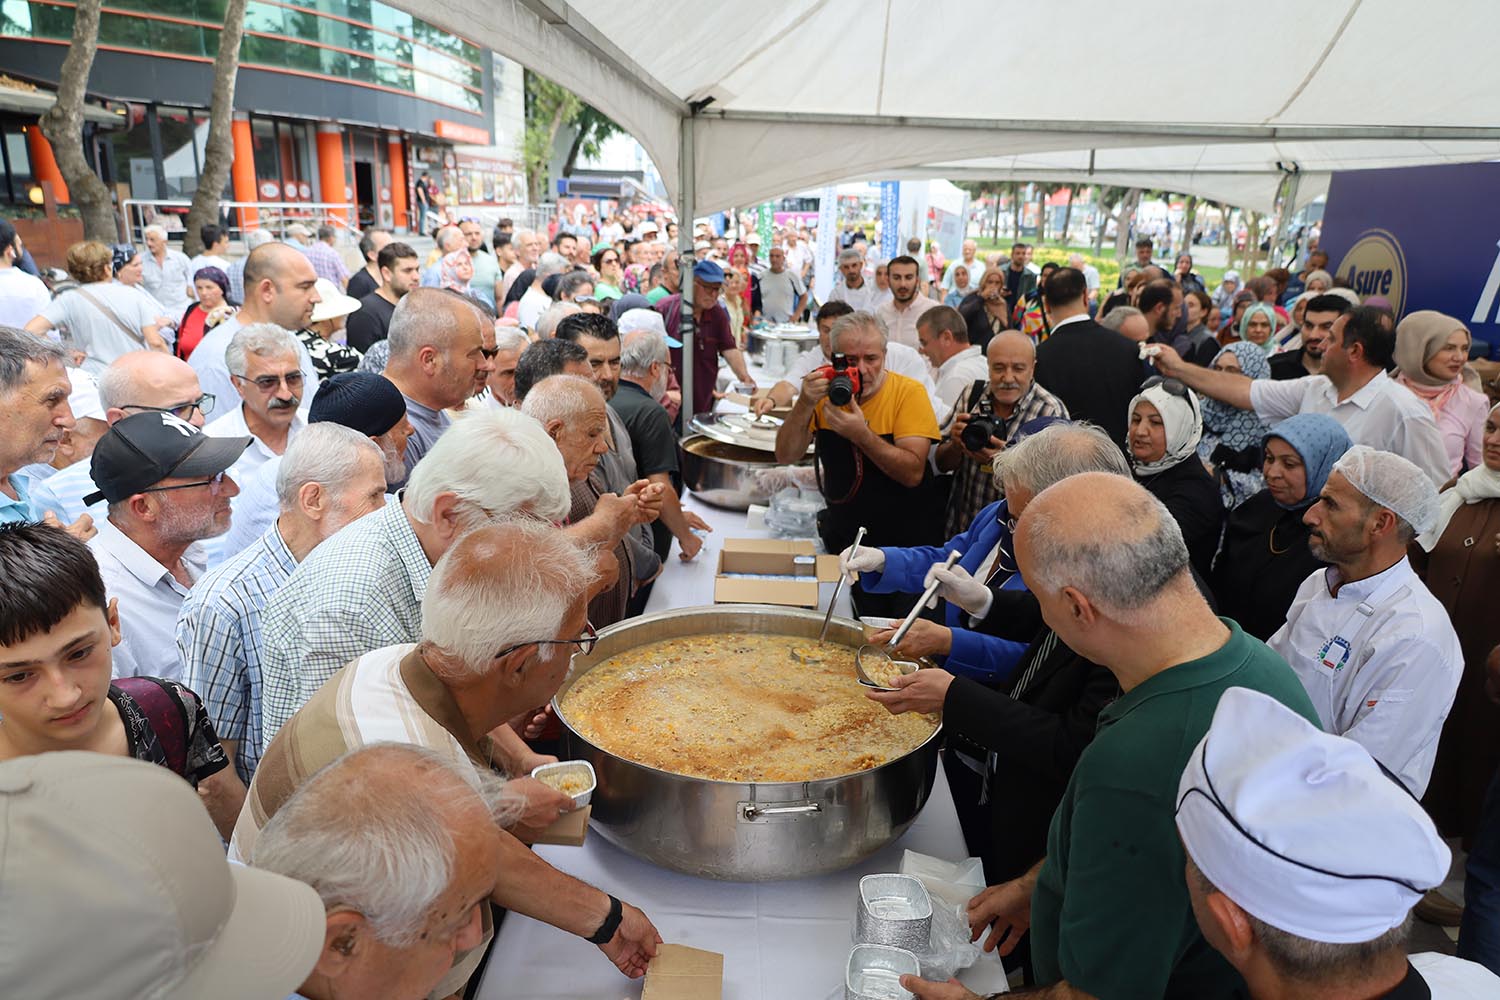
744	831
727	475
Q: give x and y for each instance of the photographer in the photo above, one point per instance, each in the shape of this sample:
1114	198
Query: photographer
873	431
990	415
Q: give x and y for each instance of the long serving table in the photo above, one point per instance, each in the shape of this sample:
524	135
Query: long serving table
780	940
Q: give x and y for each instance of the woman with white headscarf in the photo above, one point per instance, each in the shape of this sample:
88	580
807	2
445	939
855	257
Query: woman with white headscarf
1431	351
1166	424
1231	442
1460	561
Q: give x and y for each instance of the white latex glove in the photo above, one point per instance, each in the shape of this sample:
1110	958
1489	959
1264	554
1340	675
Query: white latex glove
956	586
867	560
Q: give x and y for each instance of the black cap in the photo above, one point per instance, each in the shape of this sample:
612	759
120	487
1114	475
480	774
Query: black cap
145	448
370	404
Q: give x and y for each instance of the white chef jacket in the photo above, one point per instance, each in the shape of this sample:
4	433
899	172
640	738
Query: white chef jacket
1380	661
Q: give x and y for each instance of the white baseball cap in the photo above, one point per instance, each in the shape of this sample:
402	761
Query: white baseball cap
333	304
113	883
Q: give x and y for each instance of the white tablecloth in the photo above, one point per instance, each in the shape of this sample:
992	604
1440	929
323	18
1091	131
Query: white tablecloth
780	940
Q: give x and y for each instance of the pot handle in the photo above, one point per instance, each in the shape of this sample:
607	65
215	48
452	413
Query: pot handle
756	812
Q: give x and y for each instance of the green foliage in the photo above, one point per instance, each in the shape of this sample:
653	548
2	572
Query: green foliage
549	108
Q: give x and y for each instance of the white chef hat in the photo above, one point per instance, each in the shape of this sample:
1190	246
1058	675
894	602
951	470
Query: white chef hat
1392	482
1301	828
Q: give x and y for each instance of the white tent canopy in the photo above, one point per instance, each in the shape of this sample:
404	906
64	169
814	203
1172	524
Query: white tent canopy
736	104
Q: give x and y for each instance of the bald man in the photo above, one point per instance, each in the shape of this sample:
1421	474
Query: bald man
1108	907
133	383
279	289
438	360
1012	400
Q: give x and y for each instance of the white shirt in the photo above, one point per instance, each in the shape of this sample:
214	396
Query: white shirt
779	293
169	282
62	493
899	358
1451	978
957	374
206	260
864	298
213	373
22	297
149	597
901	324
1381	663
1383	414
532	304
232	424
254	510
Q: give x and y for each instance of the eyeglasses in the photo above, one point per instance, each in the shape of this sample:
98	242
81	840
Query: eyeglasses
270	383
215	486
204	404
585	643
1171	385
608	260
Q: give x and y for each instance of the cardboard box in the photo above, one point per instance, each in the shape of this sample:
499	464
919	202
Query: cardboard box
793	562
682	973
569	830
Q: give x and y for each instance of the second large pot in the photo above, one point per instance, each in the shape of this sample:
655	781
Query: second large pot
745	831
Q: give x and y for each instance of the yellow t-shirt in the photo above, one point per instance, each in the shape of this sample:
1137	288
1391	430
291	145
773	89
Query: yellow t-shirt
900	408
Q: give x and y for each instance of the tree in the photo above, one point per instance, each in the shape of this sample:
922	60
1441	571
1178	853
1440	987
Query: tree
1017	189
1189	219
1124	220
218	152
1042	192
594	126
549	106
1068	212
63	127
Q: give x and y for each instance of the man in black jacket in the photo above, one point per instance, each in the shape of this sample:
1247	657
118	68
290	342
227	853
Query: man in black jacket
1094	371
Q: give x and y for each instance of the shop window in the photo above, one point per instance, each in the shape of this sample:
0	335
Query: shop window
183	138
131	149
264	17
123	30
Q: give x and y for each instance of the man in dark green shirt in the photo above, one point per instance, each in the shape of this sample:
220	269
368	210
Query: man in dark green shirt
1108	908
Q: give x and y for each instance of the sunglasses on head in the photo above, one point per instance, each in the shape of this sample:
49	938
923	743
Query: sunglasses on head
1171	386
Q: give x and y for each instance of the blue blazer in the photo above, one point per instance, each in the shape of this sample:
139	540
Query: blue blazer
985	658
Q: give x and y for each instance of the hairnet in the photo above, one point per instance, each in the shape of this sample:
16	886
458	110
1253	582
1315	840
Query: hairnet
1392	482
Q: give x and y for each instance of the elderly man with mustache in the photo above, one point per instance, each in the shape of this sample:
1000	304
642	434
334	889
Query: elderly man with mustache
263	365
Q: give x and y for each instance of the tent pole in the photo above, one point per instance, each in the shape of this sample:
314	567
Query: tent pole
686	195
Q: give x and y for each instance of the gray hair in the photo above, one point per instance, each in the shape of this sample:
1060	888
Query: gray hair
548	322
259	339
561	397
498	462
325	453
568	284
640	350
510	338
532	570
550	263
1312	961
1120	572
1117	317
446	235
373	832
19	349
1056	452
425	317
850	256
258	238
154	230
856	321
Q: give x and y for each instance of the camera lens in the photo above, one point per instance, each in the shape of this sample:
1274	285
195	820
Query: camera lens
840	389
977	433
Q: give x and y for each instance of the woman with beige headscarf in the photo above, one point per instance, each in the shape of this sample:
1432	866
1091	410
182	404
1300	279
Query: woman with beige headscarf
1431	351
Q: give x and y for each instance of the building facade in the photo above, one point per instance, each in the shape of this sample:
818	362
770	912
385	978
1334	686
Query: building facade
337	101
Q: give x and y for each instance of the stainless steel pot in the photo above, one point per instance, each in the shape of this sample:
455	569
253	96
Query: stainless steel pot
728	475
744	831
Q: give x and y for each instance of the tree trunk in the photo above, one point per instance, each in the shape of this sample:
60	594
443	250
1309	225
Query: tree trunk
1188	219
1041	214
573	151
63	127
1122	225
1102	215
1068	212
1252	243
218	152
1016	188
996	196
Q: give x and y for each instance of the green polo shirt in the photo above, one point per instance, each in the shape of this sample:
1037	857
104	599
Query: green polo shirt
1110	913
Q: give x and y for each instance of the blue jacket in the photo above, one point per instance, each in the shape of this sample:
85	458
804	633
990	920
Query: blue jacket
985	658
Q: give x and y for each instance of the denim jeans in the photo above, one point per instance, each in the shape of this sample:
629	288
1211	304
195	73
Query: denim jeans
1479	935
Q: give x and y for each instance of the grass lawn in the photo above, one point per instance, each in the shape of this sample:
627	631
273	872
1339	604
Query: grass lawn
1109	268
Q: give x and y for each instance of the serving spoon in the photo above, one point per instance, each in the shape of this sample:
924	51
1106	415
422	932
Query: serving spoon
872	657
859	536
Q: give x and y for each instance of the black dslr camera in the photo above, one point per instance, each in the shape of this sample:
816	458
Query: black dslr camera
978	431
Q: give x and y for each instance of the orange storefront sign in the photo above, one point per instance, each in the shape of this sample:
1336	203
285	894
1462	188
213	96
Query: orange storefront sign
459	132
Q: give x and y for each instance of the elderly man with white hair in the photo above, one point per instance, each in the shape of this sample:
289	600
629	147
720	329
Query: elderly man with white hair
500	386
1375	650
330	476
451	691
1107	908
400	910
1305	861
548	322
263	365
573	412
528	246
166	273
535	301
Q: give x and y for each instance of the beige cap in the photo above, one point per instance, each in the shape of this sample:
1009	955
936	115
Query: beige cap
114	884
332	303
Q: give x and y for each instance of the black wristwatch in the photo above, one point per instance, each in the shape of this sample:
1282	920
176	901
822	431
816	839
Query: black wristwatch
611	923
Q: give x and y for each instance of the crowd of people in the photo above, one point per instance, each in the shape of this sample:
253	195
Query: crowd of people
1216	662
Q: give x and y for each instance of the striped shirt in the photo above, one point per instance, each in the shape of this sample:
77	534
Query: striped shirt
219	640
359	590
388	695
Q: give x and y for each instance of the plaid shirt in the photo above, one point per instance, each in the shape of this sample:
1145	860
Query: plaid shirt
974	484
219	640
360	590
326	262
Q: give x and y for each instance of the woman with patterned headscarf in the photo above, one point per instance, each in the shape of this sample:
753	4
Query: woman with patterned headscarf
1431	351
212	308
1165	427
1258	326
457	270
1230	445
1264	556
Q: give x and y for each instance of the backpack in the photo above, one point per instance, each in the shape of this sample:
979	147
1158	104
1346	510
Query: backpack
167	715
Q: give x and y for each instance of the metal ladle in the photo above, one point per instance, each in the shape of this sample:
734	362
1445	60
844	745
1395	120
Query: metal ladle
870	656
859	536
